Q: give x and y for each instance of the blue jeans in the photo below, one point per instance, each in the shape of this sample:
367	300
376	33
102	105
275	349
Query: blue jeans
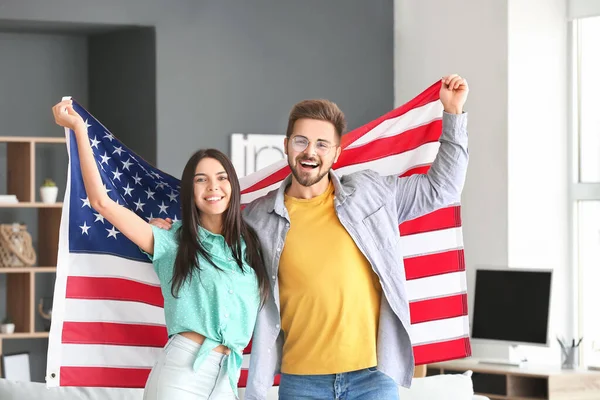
364	384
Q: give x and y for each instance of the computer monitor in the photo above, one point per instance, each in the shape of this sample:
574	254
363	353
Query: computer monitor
512	306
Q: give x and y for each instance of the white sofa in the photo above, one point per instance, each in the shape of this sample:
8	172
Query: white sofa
442	387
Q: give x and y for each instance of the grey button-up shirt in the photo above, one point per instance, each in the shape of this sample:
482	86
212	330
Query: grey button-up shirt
370	207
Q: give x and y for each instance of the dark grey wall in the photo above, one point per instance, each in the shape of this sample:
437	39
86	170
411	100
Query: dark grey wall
239	66
122	78
35	72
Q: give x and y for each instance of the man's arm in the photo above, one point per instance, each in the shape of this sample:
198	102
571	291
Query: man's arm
420	194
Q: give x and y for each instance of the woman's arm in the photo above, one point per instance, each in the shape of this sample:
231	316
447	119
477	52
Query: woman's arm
126	221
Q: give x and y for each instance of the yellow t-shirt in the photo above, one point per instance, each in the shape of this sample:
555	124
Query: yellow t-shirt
329	294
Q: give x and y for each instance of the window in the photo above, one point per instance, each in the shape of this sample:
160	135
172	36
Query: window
585	187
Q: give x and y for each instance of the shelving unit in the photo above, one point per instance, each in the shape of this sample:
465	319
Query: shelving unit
21	299
500	382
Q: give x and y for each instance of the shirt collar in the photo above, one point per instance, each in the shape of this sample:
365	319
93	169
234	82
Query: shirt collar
278	201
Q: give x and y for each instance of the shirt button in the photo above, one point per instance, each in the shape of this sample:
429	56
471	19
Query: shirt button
273	277
226	315
278	249
230	291
277	326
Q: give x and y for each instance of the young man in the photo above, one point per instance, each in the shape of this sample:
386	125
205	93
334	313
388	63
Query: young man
337	324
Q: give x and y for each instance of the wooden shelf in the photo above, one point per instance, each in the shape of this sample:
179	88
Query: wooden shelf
22	159
25	270
27	204
31	139
24	335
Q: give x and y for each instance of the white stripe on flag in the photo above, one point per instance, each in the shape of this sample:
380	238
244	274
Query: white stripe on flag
255	177
92	355
392	165
397	164
78	310
441	330
246	361
394	126
250	197
437	286
431	242
103	265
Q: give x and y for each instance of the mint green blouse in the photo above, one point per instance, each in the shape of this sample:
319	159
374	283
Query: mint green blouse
220	305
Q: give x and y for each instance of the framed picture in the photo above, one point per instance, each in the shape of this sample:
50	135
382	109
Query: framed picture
252	152
15	367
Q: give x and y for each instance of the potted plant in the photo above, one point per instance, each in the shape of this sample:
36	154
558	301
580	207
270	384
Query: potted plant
7	326
48	191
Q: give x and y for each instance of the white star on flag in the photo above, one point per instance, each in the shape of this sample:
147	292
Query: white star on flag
128	190
112	232
99	218
172	196
84	229
139	205
117	174
127	164
105	159
150	194
86	202
137	179
163	208
118	150
95	142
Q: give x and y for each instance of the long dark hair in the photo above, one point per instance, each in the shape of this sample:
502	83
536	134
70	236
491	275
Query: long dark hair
234	228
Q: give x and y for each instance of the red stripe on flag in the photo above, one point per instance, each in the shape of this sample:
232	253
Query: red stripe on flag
432	93
416	170
444	218
101	288
442	351
439	308
243	381
248	348
104	377
389	146
114	334
434	264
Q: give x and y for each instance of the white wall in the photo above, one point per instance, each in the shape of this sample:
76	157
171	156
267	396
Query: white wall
537	153
500	47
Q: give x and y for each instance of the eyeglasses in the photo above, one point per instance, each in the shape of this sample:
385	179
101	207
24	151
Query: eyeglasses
300	143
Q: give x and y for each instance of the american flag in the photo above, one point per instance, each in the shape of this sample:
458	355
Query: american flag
108	325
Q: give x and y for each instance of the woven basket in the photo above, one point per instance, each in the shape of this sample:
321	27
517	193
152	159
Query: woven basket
16	248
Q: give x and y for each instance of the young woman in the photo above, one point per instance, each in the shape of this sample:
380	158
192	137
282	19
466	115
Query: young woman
209	266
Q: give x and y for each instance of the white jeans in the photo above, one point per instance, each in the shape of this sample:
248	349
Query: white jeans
173	378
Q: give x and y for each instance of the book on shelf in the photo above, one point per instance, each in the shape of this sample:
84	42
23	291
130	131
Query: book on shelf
8	198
